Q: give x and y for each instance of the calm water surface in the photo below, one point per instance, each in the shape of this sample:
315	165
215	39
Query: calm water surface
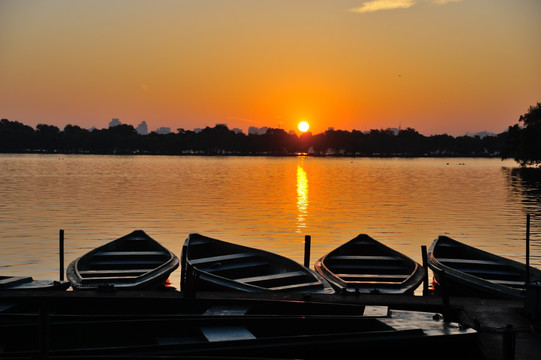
268	203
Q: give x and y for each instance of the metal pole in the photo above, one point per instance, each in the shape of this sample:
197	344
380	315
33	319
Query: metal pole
527	248
307	242
61	253
425	267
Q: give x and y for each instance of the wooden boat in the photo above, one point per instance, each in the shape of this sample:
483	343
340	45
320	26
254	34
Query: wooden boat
466	270
364	265
132	261
378	332
28	283
210	264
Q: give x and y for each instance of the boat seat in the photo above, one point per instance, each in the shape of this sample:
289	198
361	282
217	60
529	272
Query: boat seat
483	273
130	253
227	257
112	273
279	276
365	257
361	267
124	264
469	261
217	267
364	277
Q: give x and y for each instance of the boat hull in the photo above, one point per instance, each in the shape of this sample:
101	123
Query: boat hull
467	271
211	264
364	265
134	261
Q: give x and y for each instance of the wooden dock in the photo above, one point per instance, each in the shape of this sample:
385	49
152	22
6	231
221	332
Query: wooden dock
504	329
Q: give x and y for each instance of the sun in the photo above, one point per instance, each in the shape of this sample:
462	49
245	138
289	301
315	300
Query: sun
303	126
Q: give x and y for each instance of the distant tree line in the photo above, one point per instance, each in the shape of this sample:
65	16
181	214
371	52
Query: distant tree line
521	142
16	137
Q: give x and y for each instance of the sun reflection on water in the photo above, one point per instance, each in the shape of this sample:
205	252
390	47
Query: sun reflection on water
302	197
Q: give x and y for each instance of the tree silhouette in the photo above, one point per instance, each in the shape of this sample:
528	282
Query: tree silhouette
15	136
524	142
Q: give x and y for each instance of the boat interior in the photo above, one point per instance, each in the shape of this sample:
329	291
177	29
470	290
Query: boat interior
234	262
366	262
135	257
471	261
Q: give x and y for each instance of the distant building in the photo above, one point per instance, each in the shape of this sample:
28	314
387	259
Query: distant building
257	131
114	122
237	130
142	128
163	130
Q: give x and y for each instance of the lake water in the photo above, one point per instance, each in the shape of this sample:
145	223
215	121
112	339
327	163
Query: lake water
267	203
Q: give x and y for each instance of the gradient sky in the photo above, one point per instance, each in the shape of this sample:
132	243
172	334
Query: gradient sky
439	66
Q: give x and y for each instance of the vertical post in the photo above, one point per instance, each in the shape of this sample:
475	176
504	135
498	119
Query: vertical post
527	248
445	297
425	267
307	244
508	343
61	253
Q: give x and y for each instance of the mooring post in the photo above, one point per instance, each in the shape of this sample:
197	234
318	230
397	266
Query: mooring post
61	253
445	298
425	267
307	244
527	248
508	343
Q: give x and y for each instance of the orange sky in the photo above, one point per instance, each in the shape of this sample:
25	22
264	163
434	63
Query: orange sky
439	66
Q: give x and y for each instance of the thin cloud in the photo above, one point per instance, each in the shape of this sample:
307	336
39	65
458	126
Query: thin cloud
443	2
378	5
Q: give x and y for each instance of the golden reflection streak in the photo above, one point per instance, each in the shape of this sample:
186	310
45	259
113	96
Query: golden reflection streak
302	198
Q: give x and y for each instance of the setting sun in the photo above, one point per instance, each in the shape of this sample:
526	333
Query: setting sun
303	126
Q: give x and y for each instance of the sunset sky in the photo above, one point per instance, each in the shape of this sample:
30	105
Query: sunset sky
438	66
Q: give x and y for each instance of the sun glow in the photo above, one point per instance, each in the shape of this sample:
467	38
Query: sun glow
303	126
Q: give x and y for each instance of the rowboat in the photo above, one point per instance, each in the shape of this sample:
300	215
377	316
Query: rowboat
28	283
132	261
466	270
211	264
377	332
364	265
